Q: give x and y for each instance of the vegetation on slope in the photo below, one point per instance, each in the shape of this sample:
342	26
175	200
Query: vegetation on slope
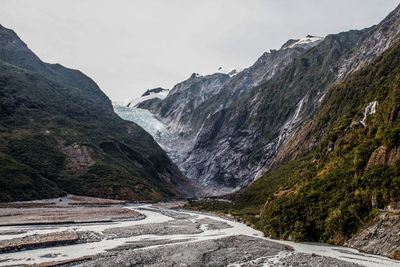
335	189
58	134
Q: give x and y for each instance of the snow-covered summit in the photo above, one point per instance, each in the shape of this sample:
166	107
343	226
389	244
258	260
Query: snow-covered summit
160	93
307	42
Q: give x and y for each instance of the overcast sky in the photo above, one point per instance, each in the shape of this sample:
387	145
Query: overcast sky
128	46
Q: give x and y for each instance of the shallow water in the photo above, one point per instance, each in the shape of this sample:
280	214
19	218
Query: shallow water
153	215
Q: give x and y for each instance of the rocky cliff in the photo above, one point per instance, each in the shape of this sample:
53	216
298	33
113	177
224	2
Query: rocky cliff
238	144
177	108
373	43
267	66
191	102
381	236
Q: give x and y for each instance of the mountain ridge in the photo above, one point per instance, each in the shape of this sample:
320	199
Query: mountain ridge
59	126
344	189
185	129
238	145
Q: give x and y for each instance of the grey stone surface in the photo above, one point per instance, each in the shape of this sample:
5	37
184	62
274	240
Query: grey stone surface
380	237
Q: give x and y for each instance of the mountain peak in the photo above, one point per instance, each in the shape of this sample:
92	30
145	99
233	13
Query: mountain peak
307	42
194	75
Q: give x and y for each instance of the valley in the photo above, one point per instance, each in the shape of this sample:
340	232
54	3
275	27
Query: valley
293	160
152	234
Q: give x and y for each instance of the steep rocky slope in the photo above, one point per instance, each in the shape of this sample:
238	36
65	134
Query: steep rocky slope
347	184
59	133
267	66
380	237
378	39
238	144
177	108
191	102
338	186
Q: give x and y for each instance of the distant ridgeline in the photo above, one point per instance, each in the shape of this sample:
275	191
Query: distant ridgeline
340	163
59	134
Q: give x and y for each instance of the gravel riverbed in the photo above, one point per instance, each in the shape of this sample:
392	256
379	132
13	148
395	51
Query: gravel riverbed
159	236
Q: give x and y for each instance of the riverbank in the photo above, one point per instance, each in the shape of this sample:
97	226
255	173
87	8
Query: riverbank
159	236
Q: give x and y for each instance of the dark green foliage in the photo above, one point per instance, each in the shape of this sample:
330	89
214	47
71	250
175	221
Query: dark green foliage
333	204
20	182
271	182
45	107
39	152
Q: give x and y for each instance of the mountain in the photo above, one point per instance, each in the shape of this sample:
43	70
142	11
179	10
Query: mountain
59	134
267	66
337	177
238	144
192	101
350	179
150	98
177	108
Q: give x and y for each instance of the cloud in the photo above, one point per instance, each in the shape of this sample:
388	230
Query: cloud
128	46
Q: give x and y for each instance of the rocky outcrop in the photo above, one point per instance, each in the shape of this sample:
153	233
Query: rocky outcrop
382	155
380	237
177	108
78	157
150	97
155	91
149	104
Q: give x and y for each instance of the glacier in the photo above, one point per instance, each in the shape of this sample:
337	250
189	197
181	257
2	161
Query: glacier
144	118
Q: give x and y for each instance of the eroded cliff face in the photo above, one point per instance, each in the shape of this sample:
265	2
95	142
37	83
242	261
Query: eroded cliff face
383	155
78	157
372	44
237	144
380	237
266	67
177	108
193	101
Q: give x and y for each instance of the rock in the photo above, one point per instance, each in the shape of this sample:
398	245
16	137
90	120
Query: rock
377	157
380	237
382	156
238	143
78	157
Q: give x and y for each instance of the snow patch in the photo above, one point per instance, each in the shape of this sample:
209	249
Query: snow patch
161	95
307	40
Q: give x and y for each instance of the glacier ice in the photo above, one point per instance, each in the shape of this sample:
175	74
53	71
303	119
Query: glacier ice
143	118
